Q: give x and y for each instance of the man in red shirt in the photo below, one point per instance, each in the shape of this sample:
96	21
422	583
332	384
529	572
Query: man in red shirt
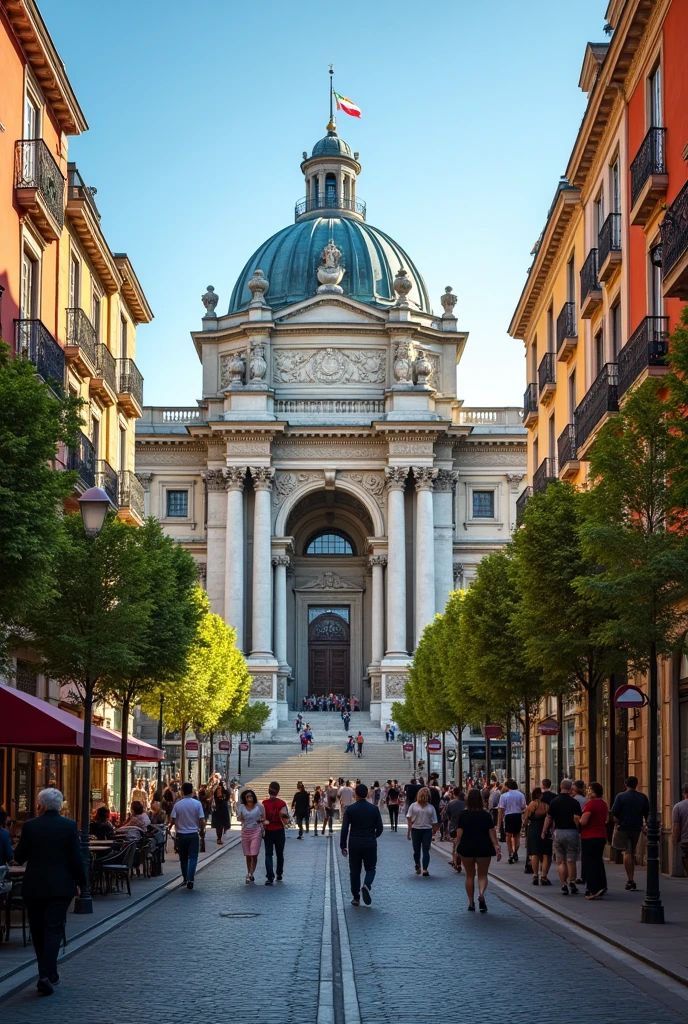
276	817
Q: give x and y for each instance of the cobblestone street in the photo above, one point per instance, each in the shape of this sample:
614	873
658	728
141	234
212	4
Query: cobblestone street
255	954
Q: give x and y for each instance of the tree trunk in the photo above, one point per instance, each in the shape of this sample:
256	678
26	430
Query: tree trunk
199	759
560	742
211	766
444	758
183	753
124	774
526	749
459	753
488	757
652	911
415	757
160	740
84	903
592	732
241	736
508	747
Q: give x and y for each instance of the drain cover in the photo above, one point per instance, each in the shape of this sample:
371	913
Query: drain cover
228	914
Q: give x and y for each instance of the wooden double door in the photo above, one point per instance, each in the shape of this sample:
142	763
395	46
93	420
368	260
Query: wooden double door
328	655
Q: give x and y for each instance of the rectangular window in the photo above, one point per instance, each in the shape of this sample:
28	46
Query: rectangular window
552	438
95	312
656	303
123	338
615	314
599	213
536	453
29	288
533	361
572	395
122	448
177	504
74	282
483	504
550	328
615	185
27	678
571	281
654	88
95	434
599	350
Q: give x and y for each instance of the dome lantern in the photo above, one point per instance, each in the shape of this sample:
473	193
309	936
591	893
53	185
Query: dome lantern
331	172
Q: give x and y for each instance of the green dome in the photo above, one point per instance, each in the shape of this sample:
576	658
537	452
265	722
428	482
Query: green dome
332	145
290	260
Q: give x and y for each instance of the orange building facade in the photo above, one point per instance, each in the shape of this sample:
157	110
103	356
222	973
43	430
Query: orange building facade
606	287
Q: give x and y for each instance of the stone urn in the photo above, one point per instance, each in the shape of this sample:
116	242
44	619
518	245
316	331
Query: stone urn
330	272
448	301
236	368
403	363
210	301
422	370
402	286
258	364
258	286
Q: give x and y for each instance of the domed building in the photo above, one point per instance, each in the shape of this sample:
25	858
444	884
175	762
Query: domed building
330	484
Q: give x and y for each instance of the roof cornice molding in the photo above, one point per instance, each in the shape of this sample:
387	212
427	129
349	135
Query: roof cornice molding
132	290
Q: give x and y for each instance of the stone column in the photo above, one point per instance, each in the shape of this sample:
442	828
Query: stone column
234	551
443	501
377	564
262	565
424	477
396	561
281	563
217	520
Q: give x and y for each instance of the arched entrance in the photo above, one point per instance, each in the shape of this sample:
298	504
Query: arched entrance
329	651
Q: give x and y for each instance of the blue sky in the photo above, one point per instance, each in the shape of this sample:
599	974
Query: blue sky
199	114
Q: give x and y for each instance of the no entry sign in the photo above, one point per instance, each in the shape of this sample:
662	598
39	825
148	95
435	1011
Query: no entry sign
433	746
192	746
243	745
629	696
224	745
408	747
494	732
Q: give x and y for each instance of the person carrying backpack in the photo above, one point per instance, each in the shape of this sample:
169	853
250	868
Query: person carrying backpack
276	817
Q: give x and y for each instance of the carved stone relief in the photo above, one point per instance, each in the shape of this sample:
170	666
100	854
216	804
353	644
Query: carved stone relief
395	686
376	690
433	378
230	370
329	629
328	451
329	581
261	686
248	448
417	448
373	483
329	366
281	690
287	483
182	457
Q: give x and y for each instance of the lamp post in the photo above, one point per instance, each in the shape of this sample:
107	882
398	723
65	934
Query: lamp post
93	504
652	910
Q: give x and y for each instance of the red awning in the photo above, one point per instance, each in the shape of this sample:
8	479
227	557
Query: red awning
34	724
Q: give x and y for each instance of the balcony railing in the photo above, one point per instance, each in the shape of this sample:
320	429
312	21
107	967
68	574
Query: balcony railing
521	503
34	342
648	160
601	398
647	346
308	204
107	479
129	380
82	334
589	277
131	493
35	168
530	402
77	189
82	458
545	474
547	371
567	328
107	367
566	445
674	229
609	238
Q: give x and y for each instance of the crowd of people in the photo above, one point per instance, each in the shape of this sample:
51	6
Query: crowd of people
330	702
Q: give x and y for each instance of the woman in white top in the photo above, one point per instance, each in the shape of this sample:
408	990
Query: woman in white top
421	819
251	815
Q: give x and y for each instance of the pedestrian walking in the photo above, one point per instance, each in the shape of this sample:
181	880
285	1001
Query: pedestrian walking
349	745
304	742
411	790
564	811
512	804
220	818
317	807
422	824
331	792
392	800
476	844
189	819
140	793
593	825
679	827
359	743
455	807
301	806
631	810
387	732
251	815
49	846
361	828
538	849
345	794
276	818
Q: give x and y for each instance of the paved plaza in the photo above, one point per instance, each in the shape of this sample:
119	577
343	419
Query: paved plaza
300	952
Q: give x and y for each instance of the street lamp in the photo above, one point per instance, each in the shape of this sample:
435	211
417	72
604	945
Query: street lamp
94	504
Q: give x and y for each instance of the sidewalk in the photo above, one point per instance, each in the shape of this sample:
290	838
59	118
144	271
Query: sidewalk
108	911
616	918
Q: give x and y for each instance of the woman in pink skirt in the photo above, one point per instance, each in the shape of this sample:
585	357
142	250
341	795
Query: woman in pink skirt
251	814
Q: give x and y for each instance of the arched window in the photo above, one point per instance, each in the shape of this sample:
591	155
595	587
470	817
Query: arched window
329	542
330	191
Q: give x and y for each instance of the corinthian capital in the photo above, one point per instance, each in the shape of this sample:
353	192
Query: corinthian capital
284	560
262	477
235	477
214	479
424	477
395	477
445	480
377	560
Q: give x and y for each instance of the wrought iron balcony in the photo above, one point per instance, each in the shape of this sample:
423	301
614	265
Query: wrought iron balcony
81	340
107	478
77	189
329	202
547	375
591	292
104	383
546	473
34	341
521	503
601	399
674	230
646	349
566	451
567	330
530	405
130	386
649	178
39	186
609	246
82	458
131	496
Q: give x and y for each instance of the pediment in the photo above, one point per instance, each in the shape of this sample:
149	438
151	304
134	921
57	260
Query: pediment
331	309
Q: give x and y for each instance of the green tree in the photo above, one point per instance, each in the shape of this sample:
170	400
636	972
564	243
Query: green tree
560	623
34	422
162	642
245	719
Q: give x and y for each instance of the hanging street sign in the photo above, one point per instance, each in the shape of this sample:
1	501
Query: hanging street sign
548	727
408	747
433	746
224	745
494	732
629	696
451	755
192	746
243	745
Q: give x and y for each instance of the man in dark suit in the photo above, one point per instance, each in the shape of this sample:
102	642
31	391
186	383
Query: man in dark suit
361	826
49	846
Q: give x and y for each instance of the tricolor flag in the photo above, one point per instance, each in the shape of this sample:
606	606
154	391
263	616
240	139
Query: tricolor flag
345	104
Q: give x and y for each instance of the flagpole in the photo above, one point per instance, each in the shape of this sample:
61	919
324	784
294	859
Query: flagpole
331	126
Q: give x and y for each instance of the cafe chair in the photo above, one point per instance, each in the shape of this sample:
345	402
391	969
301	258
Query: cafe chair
118	867
14	901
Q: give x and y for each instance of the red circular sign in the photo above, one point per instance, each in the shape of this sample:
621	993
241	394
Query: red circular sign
224	745
408	747
629	696
191	745
494	732
433	746
243	745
